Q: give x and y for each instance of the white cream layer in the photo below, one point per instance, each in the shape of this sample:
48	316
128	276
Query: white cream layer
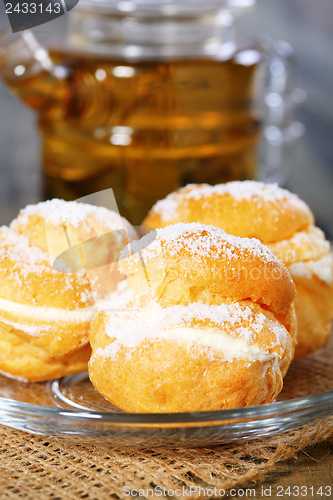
29	329
47	313
322	268
57	314
231	347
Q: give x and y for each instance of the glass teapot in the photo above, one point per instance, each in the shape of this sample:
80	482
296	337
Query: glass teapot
145	96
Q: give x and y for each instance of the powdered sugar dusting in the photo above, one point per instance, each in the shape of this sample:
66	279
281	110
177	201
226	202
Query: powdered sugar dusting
216	326
70	212
27	258
21	262
167	208
199	240
242	190
239	190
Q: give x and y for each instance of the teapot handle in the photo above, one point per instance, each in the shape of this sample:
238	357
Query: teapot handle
28	70
280	96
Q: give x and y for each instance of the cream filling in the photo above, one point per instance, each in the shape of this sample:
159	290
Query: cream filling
232	348
53	313
29	329
322	268
47	313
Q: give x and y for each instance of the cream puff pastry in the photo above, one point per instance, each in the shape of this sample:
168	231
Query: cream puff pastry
45	314
280	220
208	323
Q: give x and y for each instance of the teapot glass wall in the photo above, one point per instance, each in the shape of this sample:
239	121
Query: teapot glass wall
144	97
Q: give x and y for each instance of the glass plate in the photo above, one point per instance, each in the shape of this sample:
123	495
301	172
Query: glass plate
72	409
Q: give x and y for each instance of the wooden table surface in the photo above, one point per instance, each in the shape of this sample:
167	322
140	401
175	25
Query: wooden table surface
309	475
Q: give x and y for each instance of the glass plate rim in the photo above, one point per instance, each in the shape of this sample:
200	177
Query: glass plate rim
277	408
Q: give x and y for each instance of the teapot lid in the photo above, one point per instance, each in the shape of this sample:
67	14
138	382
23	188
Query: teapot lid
156	29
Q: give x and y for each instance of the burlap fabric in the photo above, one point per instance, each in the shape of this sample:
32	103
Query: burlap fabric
37	468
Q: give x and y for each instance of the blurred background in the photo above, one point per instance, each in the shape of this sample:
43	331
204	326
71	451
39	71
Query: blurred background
305	24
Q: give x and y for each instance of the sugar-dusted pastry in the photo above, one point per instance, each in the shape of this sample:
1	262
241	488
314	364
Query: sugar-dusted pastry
208	323
280	220
96	235
45	313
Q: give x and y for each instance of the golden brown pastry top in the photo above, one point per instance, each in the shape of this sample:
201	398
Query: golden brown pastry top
243	208
79	236
42	233
188	263
27	276
51	224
